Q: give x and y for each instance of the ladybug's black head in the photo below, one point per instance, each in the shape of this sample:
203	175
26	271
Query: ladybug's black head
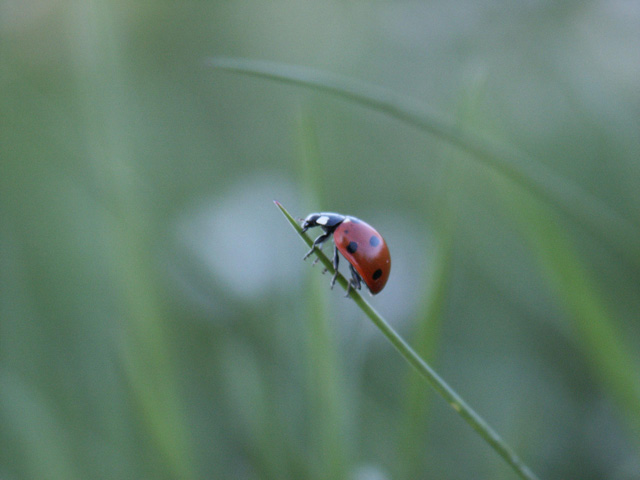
328	221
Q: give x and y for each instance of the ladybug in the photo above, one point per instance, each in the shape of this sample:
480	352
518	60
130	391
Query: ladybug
360	243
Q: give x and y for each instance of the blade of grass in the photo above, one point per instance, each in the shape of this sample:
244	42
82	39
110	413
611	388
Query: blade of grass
245	381
604	345
325	380
523	170
438	384
425	339
43	439
145	352
426	336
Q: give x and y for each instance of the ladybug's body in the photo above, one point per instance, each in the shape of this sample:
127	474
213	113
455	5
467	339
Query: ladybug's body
362	246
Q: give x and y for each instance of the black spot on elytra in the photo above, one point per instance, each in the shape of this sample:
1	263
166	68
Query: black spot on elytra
374	241
352	247
377	274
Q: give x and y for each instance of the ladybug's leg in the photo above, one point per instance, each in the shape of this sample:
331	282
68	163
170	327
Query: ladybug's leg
317	242
355	280
336	259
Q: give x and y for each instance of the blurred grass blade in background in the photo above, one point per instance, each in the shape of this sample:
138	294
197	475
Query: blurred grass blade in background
603	344
526	172
36	430
100	73
325	384
427	333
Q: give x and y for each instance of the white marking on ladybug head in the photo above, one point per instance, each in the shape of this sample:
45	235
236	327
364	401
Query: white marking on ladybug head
322	220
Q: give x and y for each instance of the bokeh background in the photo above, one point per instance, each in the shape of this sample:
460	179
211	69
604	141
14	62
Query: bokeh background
157	320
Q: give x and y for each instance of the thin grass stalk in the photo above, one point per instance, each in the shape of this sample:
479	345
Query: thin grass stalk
438	384
325	381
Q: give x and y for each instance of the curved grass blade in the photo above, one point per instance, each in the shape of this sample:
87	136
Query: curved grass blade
445	391
523	170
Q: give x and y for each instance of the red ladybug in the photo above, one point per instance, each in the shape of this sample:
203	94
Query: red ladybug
360	243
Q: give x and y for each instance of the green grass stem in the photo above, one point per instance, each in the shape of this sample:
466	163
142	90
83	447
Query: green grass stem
445	391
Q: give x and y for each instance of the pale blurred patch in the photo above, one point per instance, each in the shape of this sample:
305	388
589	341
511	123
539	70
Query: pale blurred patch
243	239
369	472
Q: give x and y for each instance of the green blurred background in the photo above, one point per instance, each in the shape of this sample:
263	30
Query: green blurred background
157	320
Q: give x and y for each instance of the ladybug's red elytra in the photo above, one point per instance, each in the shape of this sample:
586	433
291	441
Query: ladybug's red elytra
361	245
